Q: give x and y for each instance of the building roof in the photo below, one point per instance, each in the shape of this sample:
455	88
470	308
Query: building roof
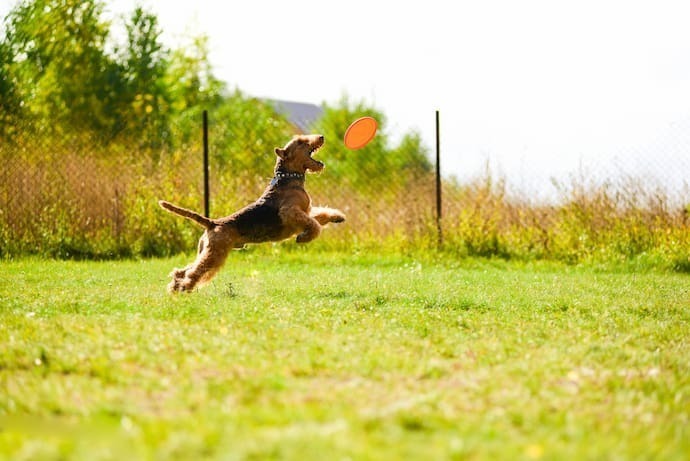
302	115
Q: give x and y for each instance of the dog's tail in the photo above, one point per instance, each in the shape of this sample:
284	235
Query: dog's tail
204	221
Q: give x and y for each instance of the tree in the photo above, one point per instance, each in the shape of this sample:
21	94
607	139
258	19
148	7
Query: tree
192	88
10	100
146	100
377	163
245	131
60	64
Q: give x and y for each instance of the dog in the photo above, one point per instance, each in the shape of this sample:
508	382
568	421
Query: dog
283	210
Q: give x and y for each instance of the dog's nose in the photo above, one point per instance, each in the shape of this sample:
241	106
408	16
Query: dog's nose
321	138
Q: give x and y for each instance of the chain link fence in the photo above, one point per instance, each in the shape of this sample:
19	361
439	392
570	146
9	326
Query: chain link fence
73	198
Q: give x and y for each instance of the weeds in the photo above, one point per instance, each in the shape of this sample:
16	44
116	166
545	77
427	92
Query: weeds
71	206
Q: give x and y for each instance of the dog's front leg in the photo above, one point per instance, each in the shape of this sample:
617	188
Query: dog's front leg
327	215
310	232
295	217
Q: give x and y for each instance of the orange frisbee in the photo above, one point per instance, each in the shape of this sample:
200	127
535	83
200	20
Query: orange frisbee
360	132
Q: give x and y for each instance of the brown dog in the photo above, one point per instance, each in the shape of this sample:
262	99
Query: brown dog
283	210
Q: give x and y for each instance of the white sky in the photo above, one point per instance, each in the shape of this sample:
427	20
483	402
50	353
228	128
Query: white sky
537	87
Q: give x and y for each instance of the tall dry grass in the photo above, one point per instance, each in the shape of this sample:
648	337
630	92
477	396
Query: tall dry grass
63	203
616	221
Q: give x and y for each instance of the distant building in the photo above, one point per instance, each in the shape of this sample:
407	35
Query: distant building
300	114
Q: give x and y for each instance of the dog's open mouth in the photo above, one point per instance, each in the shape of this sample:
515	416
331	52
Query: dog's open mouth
316	165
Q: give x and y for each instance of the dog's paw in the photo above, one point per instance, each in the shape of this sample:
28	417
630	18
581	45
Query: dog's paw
178	273
174	287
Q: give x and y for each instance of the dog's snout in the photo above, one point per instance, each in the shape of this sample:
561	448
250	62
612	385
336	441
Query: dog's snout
321	138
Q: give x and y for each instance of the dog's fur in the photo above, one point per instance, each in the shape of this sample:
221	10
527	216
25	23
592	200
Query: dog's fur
283	210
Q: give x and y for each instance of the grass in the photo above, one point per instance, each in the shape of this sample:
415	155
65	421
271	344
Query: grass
301	355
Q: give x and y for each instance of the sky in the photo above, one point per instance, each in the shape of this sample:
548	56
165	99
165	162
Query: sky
536	89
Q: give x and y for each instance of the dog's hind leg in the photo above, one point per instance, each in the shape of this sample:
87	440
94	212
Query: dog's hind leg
214	248
201	271
179	276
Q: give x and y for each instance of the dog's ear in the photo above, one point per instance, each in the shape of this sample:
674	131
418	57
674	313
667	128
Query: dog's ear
282	153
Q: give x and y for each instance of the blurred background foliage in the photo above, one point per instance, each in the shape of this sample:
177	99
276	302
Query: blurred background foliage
95	128
64	76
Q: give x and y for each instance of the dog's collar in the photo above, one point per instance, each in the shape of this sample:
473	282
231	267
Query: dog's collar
287	175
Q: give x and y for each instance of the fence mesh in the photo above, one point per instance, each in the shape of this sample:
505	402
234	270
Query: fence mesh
72	198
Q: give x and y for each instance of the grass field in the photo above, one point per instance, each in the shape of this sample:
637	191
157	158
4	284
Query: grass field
301	355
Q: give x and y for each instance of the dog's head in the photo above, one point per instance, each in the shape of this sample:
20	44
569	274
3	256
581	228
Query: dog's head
296	156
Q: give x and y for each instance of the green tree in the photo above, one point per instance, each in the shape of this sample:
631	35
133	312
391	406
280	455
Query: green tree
244	133
10	100
59	60
410	156
376	163
192	88
145	108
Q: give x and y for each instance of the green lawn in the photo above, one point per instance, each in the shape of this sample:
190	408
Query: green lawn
308	356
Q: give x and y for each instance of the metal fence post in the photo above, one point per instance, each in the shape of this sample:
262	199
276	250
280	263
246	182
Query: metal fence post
207	207
438	183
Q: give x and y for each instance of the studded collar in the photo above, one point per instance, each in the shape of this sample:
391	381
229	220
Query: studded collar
286	175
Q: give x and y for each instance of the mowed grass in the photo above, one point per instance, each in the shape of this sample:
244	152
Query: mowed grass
309	356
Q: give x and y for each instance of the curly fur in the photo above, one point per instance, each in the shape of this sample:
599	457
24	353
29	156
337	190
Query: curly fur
283	210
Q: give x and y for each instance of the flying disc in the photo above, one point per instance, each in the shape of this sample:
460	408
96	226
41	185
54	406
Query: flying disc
360	132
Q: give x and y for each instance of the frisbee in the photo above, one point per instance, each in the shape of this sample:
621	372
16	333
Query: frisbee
360	132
